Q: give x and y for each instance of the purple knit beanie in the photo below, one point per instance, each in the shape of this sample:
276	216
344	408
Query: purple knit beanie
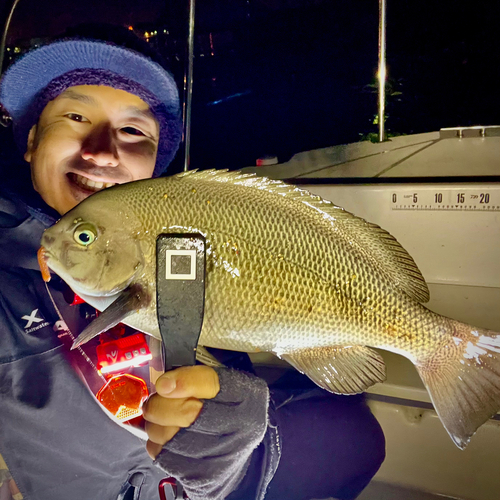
41	75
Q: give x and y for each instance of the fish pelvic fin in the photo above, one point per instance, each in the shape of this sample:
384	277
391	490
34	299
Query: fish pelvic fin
463	380
339	369
205	357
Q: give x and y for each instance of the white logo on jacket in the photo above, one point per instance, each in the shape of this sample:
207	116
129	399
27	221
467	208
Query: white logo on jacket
33	318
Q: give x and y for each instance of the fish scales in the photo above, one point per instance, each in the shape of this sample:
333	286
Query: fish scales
288	273
288	231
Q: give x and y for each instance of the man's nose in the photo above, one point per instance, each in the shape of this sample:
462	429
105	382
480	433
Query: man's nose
99	147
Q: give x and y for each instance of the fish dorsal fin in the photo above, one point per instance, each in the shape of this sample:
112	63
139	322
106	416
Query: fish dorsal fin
339	369
377	244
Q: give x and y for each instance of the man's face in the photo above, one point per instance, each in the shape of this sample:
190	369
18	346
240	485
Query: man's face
89	138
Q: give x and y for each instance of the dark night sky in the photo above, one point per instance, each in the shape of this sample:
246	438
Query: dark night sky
38	18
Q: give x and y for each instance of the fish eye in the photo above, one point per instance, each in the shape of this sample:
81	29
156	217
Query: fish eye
85	234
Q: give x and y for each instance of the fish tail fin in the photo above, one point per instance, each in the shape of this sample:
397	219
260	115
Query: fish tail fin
463	380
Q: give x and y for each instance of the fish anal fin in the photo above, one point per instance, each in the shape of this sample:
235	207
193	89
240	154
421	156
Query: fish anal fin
339	369
463	380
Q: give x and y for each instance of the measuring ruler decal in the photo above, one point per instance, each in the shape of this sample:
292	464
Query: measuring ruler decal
469	199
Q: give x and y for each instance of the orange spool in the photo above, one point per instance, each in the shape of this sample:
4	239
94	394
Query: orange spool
123	395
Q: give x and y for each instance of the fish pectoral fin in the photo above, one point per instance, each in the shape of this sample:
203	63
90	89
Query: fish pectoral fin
129	301
339	369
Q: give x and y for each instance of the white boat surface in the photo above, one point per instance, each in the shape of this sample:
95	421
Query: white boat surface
412	186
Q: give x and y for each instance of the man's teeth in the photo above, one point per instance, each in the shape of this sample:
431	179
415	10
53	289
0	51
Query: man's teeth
92	185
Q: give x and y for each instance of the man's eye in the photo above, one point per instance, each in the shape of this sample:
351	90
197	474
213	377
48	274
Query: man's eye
132	131
76	117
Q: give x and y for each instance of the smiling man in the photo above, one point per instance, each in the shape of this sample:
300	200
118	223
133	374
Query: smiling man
87	115
88	138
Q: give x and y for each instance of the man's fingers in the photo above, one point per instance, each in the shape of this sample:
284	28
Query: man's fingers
160	434
171	412
198	381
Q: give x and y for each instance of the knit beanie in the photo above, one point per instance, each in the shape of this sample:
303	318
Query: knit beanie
44	73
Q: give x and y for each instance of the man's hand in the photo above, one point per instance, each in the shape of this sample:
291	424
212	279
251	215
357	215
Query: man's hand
177	403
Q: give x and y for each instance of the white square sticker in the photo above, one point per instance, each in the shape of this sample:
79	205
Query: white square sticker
180	265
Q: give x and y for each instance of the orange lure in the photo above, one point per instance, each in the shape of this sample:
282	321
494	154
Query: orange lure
42	262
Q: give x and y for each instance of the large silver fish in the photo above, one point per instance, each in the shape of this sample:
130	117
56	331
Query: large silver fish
288	273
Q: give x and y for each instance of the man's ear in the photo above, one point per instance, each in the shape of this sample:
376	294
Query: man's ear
30	146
